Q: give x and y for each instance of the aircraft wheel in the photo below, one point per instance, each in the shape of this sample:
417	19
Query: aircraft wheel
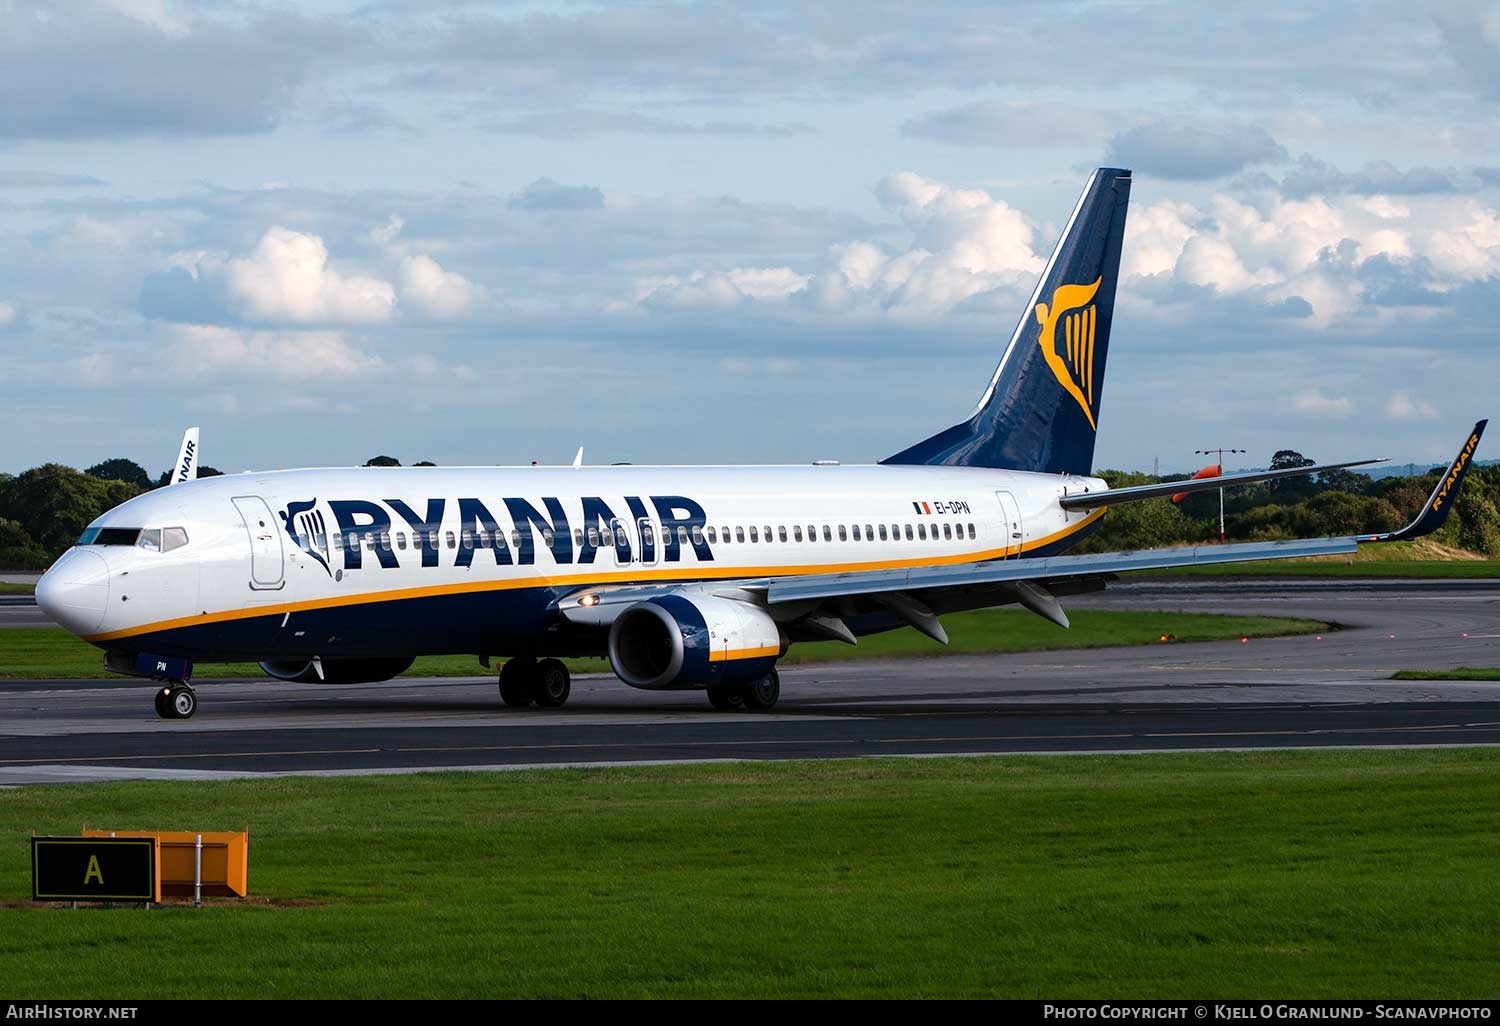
764	692
553	685
726	699
517	682
182	702
162	708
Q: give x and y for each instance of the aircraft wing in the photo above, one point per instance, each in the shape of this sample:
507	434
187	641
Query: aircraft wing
916	594
1113	496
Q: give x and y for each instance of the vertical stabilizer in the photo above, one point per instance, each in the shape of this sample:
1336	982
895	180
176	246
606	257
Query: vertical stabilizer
1041	409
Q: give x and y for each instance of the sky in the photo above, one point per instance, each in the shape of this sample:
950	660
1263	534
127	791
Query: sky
715	232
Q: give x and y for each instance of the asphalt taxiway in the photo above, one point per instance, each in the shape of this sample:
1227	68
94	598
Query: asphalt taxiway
1272	693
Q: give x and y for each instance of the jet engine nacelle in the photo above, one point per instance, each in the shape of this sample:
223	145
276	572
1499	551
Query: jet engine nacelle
337	671
680	642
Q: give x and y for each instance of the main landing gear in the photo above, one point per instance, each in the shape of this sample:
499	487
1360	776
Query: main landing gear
176	702
759	695
524	681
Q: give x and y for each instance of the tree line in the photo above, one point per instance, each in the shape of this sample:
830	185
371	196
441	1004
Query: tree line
44	509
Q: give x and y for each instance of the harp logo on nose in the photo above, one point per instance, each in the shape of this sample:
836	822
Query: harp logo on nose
1071	357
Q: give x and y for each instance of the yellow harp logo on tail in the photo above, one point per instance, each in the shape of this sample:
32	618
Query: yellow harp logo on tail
1073	365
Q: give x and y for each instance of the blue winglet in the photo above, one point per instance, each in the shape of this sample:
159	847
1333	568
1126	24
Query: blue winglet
1435	513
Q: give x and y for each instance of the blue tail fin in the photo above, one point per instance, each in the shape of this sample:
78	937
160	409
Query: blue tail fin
1042	406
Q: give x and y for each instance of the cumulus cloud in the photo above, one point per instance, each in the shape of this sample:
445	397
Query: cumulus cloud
1187	152
1402	405
434	291
286	279
724	289
204	350
1313	403
964	243
1343	258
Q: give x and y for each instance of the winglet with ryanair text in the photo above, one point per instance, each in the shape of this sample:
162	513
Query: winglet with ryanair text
1435	513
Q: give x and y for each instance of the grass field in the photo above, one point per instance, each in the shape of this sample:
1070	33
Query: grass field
1308	874
1423	558
10	588
50	652
1458	673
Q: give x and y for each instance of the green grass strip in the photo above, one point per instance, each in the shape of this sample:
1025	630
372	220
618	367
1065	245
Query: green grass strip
1234	875
1458	673
50	652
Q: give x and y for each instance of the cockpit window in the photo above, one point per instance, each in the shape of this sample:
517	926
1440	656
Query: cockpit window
152	539
110	536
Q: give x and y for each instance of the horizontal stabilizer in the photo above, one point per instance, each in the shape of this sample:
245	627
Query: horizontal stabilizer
1435	513
1114	496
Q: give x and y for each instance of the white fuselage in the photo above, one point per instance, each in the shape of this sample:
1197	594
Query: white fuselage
376	561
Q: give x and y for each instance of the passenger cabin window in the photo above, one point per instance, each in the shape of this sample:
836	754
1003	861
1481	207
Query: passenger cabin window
796	532
385	541
812	533
754	535
843	534
827	533
713	535
947	531
548	537
768	533
739	534
908	532
971	532
467	539
593	537
781	533
401	539
857	536
922	532
697	535
452	542
882	532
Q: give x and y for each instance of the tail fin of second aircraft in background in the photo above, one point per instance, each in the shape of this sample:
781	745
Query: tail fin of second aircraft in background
1041	409
186	467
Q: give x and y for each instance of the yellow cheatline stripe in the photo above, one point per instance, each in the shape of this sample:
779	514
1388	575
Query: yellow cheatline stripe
687	573
719	656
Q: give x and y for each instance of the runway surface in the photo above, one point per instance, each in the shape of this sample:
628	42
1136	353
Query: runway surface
1276	693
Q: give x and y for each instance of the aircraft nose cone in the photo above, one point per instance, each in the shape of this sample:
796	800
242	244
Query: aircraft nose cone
75	592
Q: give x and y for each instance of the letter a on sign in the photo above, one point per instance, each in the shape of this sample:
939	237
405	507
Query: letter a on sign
93	871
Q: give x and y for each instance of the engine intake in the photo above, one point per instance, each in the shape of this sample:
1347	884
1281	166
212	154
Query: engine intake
337	671
680	642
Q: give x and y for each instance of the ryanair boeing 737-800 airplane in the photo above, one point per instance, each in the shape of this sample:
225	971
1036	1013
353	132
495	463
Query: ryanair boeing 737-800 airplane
685	577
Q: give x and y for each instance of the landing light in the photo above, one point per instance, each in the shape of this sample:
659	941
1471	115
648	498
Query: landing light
589	600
